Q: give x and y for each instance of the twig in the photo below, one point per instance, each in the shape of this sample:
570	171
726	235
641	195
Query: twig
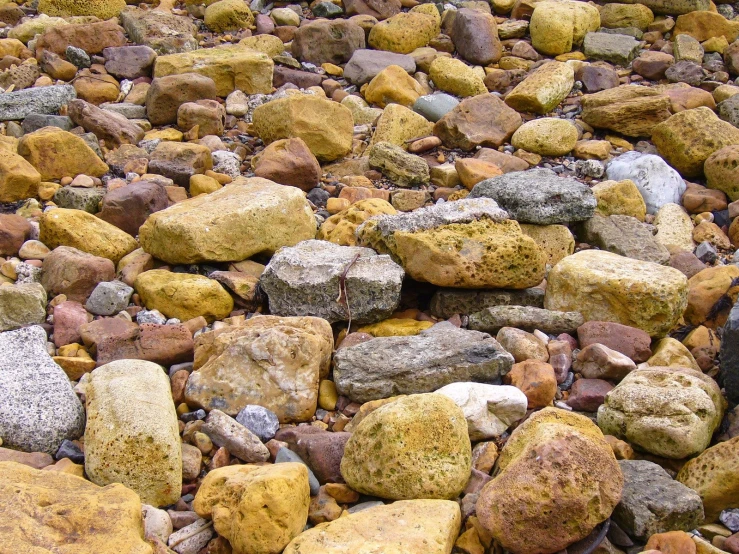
191	534
343	298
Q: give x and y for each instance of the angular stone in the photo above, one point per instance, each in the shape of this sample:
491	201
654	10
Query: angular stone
404	32
56	154
633	343
587	395
108	126
597	361
180	161
625	236
226	432
92	37
14	231
543	89
18	178
109	298
303	279
475	36
456	77
163	32
259	420
674	228
74	273
492	319
364	65
21	305
78	198
443	354
165	345
447	302
633	111
19	104
615	48
672	7
129	207
403	169
129	62
703	25
324	41
397	124
721	173
166	94
69	316
289	162
435	106
557	27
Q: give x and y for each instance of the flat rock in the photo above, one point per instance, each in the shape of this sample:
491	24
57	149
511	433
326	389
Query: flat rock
494	318
447	302
615	48
17	105
238	440
626	236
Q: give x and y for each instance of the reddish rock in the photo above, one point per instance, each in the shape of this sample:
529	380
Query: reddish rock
128	207
69	316
208	115
597	77
100	329
652	65
178	381
687	263
475	36
289	162
586	395
74	273
129	62
93	38
113	128
672	542
14	231
597	361
380	9
323	452
36	460
633	343
700	199
478	479
301	79
167	94
560	358
162	344
537	381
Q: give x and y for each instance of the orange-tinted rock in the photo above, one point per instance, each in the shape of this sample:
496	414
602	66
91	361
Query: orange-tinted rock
537	381
672	542
14	231
162	344
74	273
289	162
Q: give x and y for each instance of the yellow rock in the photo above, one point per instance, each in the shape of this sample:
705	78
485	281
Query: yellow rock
716	44
246	217
548	136
269	44
131	436
84	231
230	67
456	77
558	26
607	287
18	178
556	241
714	475
702	337
170	134
75	367
393	85
228	15
702	25
202	184
721	171
183	295
722	92
398	124
542	90
619	198
705	289
404	32
325	126
670	352
341	227
361	112
615	16
65	465
27	30
405	527
674	228
328	396
47	190
56	153
592	149
102	9
256	508
632	111
332	69
47	511
11	47
10	144
395	328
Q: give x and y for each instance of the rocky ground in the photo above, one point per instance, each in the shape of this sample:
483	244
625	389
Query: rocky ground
369	276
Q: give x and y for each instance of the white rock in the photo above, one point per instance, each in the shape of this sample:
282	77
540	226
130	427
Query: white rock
489	409
195	539
658	183
157	523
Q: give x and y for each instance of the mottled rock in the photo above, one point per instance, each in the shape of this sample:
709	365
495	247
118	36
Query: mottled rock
21	305
492	319
626	236
238	440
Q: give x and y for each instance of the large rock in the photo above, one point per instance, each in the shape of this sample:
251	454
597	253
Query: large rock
542	89
443	354
615	48
163	32
730	355
407	526
553	464
74	273
653	502
43	511
721	171
631	110
129	207
467	243
16	105
604	286
21	305
539	196
102	9
668	412
689	137
244	218
325	41
230	373
557	27
272	499
92	37
18	178
414	447
39	408
489	409
493	318
166	94
325	126
132	435
475	36
704	25
403	32
234	67
303	280
108	126
56	153
626	236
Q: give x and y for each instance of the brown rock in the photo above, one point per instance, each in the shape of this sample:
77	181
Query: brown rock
705	289
179	161
69	316
162	344
323	41
652	65
96	88
301	79
323	452
672	542
74	273
632	111
167	94
289	162
129	62
56	67
586	395
128	207
14	231
101	329
475	36
597	361
700	199
108	126
36	460
597	77
379	9
537	381
505	162
93	38
687	263
208	115
633	343
323	508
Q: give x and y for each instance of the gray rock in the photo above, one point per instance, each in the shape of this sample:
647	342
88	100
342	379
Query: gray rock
624	235
22	304
728	110
447	302
615	48
365	506
226	162
44	100
78	57
164	32
191	538
364	65
658	183
402	168
130	111
443	354
39	408
286	455
730	519
150	316
539	196
35	121
260	421
685	72
630	31
652	502
706	252
109	298
729	355
304	280
590	168
528	318
326	9
225	431
435	106
79	198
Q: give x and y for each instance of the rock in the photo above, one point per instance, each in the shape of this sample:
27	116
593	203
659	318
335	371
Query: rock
557	27
19	104
85	232
18	178
102	9
410	526
164	32
652	502
597	78
492	319
587	395
415	238
705	25
633	343
489	409
21	305
162	344
615	48
131	435
340	228
553	200
608	287
365	65
270	215
712	474
667	412
113	128
228	367
730	355
688	138
555	462
42	150
323	41
522	345
208	115
303	279
387	366
129	207
536	379
705	290
393	85
419	446
403	32
78	198
182	295
674	228
74	273
379	9
617	16
483	120
721	173
92	37
542	89
14	231
403	169
289	162
306	116
113	512
625	236
180	161
674	7
109	298
475	37
166	94
596	361
630	110
226	432
239	499
455	77
549	136
435	106
68	317
129	62
397	124
228	15
40	409
262	422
